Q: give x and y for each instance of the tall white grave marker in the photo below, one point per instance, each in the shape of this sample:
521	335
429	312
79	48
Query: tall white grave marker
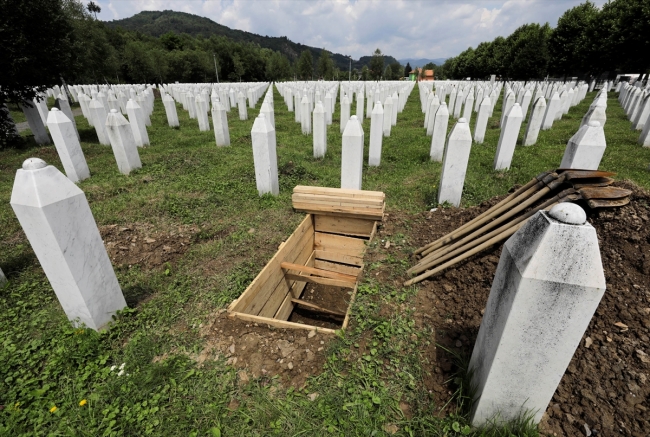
57	220
265	156
454	165
67	145
352	155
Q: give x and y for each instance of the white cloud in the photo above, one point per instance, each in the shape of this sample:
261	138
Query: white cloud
400	28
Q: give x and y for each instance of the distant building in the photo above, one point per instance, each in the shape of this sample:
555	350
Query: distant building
414	75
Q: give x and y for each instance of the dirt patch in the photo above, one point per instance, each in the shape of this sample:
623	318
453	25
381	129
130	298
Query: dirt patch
142	244
607	385
331	298
260	350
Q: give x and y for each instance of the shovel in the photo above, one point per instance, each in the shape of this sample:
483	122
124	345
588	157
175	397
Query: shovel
601	197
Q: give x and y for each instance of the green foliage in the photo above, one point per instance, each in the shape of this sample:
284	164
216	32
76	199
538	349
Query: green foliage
587	41
305	66
325	66
376	65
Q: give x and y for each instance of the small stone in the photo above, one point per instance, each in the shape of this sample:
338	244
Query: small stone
149	240
588	342
311	334
643	356
313	396
459	343
231	349
387	245
391	428
290	366
243	377
587	430
251	231
622	326
609	339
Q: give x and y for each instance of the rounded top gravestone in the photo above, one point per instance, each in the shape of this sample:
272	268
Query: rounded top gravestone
34	164
568	213
462	120
594	123
55	109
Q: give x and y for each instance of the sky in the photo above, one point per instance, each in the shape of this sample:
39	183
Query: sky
399	28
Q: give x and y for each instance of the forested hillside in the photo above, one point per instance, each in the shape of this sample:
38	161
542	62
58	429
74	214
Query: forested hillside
157	23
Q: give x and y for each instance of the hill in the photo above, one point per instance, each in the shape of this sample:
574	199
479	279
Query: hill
157	23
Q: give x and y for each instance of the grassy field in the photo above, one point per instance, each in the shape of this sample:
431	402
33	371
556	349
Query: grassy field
187	180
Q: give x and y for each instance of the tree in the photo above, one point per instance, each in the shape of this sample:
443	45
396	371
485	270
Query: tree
325	66
94	8
171	41
407	69
528	54
305	65
365	73
35	42
571	49
376	65
238	66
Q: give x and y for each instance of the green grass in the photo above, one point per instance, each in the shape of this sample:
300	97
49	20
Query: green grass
186	179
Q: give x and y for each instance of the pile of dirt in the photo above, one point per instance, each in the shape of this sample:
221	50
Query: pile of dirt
607	383
261	350
142	244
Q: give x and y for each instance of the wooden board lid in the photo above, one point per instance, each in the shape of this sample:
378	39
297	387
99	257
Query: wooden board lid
362	204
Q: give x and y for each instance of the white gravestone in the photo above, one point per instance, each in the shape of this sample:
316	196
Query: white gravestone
170	110
454	164
35	123
64	106
360	102
265	156
305	116
60	227
535	122
585	149
439	134
388	111
345	112
120	135
469	105
220	121
136	120
98	114
320	131
202	114
482	120
3	279
548	284
241	104
551	109
67	146
508	138
352	155
376	135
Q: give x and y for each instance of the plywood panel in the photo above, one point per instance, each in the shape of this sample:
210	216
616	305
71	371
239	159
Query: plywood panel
340	244
343	225
272	272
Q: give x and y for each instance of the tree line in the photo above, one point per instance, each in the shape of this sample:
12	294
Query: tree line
587	42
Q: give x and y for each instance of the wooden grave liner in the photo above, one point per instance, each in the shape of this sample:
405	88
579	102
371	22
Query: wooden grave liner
326	248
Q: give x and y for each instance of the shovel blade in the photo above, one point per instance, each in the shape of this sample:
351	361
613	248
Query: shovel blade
607	203
570	174
604	193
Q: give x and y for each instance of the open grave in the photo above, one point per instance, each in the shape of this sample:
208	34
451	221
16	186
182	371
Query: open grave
311	281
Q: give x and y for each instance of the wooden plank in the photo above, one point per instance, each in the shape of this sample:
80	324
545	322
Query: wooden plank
277	280
373	233
318	272
343	192
283	287
272	270
280	323
347	313
336	267
343	225
339	211
315	307
338	257
297	288
338	200
339	243
322	281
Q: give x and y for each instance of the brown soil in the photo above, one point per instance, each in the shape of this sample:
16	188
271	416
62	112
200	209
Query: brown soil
607	384
142	244
331	298
261	350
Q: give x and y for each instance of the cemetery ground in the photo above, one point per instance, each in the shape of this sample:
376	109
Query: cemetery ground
188	232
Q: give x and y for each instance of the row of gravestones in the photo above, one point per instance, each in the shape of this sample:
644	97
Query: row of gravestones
635	100
454	150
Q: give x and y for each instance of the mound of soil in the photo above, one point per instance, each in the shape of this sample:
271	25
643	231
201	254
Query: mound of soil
607	382
261	350
141	244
